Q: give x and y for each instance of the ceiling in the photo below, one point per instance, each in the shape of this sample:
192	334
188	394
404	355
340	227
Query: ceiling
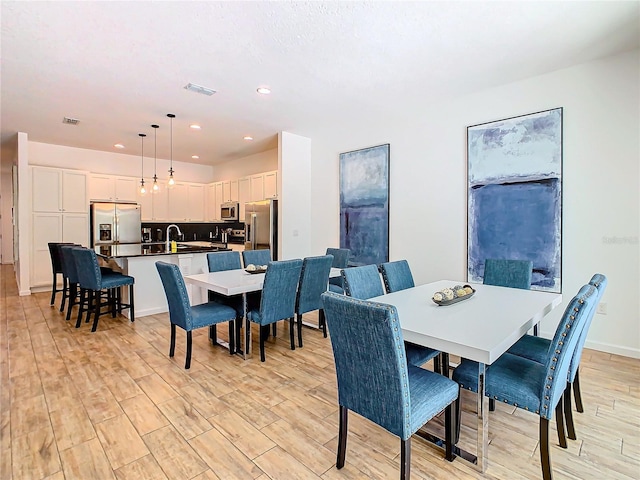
120	66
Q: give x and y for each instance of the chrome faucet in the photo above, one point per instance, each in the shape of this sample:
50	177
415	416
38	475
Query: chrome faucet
169	228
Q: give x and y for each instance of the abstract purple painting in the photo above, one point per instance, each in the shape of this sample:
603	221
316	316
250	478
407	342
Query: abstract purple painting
514	196
364	204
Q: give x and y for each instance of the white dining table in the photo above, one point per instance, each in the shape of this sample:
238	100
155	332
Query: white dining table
479	328
236	282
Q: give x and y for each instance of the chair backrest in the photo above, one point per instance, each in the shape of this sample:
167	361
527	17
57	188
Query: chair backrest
176	293
340	257
89	274
69	263
362	282
221	261
600	282
314	279
396	275
508	273
563	347
256	257
370	361
56	257
278	300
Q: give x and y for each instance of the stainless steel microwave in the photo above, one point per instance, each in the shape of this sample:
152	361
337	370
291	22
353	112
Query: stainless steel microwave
229	211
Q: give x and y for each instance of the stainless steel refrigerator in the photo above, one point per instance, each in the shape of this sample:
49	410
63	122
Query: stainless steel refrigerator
115	223
261	226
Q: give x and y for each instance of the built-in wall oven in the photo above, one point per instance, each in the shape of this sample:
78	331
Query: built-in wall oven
229	211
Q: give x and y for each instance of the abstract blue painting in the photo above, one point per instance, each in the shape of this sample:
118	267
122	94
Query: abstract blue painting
515	195
364	204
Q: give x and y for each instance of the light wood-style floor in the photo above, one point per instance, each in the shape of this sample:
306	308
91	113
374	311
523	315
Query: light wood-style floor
112	404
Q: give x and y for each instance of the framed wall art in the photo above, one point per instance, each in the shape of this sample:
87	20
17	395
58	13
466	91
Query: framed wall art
364	204
514	195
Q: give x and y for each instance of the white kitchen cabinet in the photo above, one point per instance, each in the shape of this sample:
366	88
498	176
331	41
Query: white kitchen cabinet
58	190
54	227
244	194
195	202
271	184
155	206
218	199
111	188
209	201
233	187
178	203
257	187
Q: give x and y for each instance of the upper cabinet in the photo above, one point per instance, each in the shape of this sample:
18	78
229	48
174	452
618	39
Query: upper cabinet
186	202
112	188
257	187
271	184
244	195
59	190
155	206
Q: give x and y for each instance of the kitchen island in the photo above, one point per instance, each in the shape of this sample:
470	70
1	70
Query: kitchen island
139	261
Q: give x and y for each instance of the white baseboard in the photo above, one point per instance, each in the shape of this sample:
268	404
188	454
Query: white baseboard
24	293
615	349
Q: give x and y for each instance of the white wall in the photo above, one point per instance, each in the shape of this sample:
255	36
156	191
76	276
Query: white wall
245	166
9	154
294	182
49	155
428	183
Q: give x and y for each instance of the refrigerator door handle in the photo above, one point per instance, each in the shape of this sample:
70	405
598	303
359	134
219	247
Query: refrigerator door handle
254	234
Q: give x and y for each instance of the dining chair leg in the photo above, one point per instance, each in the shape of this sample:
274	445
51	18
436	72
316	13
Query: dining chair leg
172	345
97	312
492	405
545	461
232	337
405	459
53	290
458	419
568	414
73	297
576	392
444	363
213	334
187	363
299	330
437	364
83	293
65	293
342	437
264	332
274	328
562	440
448	430
291	335
115	302
323	322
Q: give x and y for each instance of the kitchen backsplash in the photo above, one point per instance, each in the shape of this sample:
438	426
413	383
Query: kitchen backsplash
196	231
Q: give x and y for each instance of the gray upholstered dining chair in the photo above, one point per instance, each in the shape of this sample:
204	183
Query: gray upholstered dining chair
94	284
314	279
397	276
278	301
364	283
375	380
537	348
340	260
256	257
533	386
188	317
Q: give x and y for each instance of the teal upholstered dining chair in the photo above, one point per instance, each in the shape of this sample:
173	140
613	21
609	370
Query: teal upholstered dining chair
397	276
375	380
278	300
364	283
314	279
537	348
95	283
256	257
70	271
340	260
534	386
188	317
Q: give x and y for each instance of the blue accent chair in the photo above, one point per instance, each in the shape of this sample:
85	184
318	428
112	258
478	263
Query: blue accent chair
375	380
340	260
278	300
314	279
256	257
182	314
219	262
397	276
70	271
537	348
94	283
364	283
533	386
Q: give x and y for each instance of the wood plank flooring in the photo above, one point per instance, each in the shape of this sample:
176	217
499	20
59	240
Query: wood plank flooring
113	405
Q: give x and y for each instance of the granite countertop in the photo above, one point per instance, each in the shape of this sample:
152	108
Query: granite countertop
146	249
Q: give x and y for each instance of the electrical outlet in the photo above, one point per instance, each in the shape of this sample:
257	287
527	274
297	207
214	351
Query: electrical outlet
602	308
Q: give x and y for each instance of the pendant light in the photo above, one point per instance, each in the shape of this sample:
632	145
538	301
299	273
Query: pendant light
142	189
155	187
171	181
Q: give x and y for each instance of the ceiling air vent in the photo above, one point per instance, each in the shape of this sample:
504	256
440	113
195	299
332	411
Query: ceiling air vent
199	89
70	121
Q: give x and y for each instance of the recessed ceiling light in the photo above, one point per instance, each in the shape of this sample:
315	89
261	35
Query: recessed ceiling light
194	126
195	157
199	89
247	137
263	91
119	145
